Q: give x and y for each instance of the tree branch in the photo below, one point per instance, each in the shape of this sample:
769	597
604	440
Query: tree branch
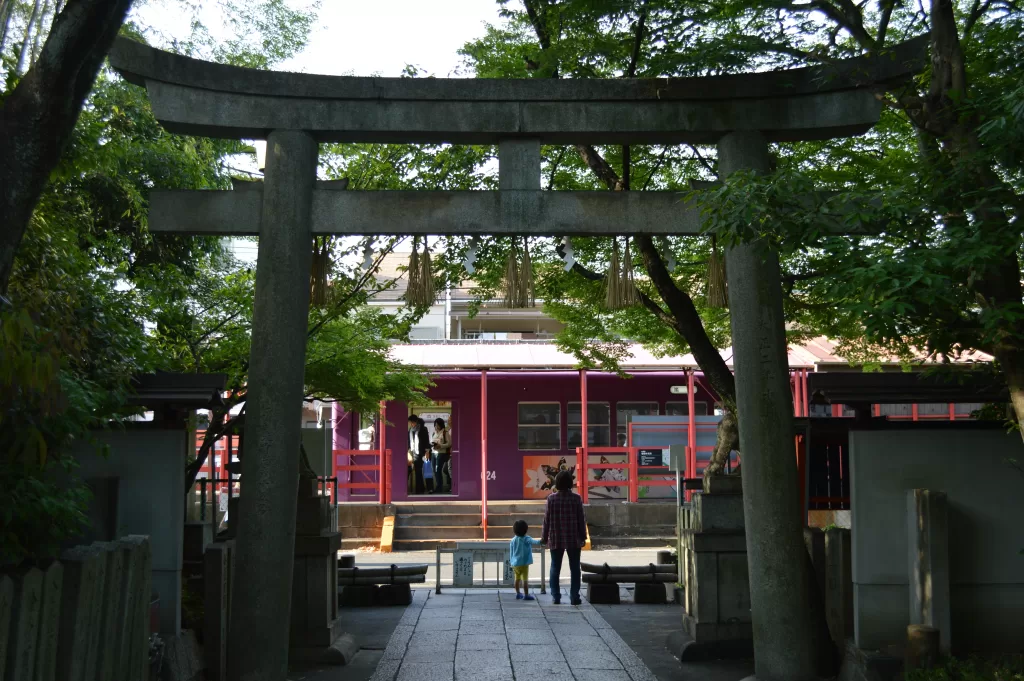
687	323
38	116
638	40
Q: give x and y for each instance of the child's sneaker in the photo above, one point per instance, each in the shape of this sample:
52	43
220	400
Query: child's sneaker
529	598
519	597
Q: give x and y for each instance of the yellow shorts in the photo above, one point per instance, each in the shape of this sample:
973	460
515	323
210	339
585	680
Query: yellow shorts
521	572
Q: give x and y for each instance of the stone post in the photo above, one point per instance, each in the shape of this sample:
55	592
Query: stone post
784	634
49	623
24	624
928	561
519	182
261	603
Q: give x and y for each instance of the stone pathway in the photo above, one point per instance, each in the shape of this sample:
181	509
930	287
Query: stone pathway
487	635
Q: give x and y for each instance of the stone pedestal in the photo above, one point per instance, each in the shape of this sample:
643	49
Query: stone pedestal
649	594
603	594
316	634
713	565
928	562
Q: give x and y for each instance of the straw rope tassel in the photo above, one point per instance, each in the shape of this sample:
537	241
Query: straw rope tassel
526	297
630	296
512	285
318	272
717	293
413	272
613	294
427	287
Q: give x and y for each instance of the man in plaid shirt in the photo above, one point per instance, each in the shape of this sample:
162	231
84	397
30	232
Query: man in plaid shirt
565	531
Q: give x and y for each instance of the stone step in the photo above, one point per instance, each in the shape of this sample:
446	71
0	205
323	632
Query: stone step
437	508
433	519
438	532
353	543
620	542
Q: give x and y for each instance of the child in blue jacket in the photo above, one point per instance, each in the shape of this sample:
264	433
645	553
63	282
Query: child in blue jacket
520	551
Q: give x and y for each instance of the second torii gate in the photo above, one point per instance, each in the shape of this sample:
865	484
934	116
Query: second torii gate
742	114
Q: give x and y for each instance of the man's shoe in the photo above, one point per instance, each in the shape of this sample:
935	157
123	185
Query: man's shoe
519	597
528	597
576	602
556	601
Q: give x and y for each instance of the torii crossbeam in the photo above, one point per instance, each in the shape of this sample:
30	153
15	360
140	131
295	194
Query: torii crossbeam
742	114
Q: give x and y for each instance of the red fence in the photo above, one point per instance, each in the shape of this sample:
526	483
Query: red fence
654	476
353	473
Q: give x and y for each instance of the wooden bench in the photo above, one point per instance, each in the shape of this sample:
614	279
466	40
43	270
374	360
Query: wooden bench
362	587
649	582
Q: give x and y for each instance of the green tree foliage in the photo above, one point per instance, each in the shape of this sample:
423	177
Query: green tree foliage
94	298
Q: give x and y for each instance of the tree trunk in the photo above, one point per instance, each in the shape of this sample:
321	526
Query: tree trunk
688	325
26	40
1012	364
39	115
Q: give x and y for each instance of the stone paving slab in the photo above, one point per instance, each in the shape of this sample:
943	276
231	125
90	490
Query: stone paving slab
481	659
483	642
532	669
497	674
425	671
593	658
535	637
525	653
489	636
482	627
602	675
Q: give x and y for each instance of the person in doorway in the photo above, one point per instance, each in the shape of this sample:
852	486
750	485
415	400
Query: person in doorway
520	557
565	532
441	447
419	447
428	472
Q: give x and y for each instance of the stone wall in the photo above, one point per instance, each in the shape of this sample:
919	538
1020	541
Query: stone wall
617	520
985	507
84	616
147	469
362	520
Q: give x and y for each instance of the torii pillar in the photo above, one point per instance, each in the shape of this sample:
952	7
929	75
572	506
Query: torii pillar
260	608
779	599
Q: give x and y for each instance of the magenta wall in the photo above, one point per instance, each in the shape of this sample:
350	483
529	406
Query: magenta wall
504	392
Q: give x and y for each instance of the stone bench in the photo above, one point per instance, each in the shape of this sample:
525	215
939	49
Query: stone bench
649	582
364	587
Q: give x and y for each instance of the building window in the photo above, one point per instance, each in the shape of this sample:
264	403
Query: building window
598	424
624	410
683	408
540	426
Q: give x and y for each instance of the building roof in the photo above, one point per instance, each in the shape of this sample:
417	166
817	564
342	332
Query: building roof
512	355
873	388
183	391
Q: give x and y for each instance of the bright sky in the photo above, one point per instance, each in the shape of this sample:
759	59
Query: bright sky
361	38
366	37
379	37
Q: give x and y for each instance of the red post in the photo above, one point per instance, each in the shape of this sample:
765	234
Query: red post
387	477
581	464
634	475
691	425
952	412
382	492
483	452
878	410
913	412
801	471
837	410
803	388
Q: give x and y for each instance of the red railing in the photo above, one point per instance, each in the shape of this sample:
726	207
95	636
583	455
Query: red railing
343	463
632	467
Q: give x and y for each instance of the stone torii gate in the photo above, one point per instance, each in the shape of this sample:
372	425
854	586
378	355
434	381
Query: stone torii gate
742	114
